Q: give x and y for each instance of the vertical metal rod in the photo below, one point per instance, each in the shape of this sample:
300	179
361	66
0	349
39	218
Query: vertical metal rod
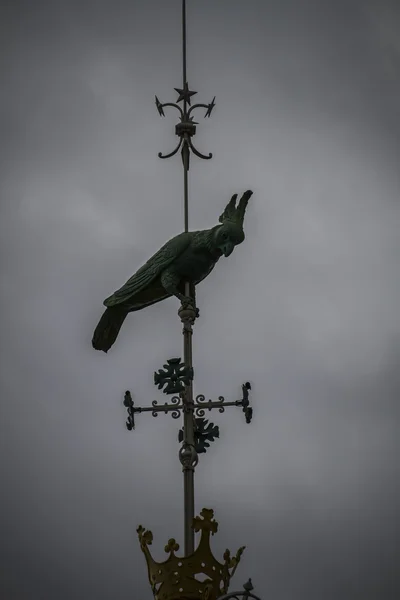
184	39
184	82
186	197
188	428
188	418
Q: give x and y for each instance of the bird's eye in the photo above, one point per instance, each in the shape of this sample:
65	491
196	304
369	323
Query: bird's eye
224	236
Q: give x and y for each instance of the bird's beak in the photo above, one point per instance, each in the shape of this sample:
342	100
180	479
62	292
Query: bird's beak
227	248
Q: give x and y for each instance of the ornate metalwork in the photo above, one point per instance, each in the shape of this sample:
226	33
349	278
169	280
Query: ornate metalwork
204	434
174	408
188	456
247	409
202	431
128	402
175	578
186	128
201	404
174	376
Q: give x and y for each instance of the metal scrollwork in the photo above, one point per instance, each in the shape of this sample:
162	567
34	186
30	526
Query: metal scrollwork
247	409
175	414
175	408
186	129
197	153
176	374
161	155
128	402
209	108
166	408
161	106
202	405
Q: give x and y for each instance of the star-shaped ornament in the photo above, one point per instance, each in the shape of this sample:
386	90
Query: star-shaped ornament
185	93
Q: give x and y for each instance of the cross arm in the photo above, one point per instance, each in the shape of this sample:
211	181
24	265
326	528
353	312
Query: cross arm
174	408
201	404
177	405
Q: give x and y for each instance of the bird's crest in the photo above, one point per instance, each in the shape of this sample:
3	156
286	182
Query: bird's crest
233	213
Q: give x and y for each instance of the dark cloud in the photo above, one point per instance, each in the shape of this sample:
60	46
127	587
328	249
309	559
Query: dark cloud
307	116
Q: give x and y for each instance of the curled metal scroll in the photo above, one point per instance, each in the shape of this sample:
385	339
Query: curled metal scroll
200	411
166	408
197	153
161	155
185	130
161	106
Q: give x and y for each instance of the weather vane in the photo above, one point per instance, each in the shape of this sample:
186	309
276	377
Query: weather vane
175	270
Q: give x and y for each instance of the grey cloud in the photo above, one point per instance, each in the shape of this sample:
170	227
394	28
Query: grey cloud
306	309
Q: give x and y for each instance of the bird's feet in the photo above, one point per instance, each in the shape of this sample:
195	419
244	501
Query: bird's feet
187	302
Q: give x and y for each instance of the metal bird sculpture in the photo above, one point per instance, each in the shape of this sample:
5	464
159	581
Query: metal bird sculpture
188	257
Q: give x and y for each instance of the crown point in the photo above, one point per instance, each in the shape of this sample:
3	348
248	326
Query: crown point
172	546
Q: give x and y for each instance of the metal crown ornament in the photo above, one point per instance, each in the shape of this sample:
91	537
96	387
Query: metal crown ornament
194	577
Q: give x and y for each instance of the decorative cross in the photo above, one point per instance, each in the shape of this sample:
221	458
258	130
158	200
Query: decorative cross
174	377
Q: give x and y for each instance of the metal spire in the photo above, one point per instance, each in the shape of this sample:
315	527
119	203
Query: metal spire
196	433
176	377
185	130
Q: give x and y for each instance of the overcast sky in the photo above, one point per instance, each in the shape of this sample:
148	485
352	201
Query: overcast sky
307	116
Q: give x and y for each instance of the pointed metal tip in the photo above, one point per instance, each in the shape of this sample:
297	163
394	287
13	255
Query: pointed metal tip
159	107
248	586
210	108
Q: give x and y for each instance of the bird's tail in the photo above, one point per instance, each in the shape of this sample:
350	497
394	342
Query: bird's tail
108	328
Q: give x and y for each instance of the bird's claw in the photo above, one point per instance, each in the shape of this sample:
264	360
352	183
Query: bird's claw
187	302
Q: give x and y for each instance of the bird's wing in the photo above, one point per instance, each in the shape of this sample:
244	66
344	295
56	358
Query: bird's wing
153	267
